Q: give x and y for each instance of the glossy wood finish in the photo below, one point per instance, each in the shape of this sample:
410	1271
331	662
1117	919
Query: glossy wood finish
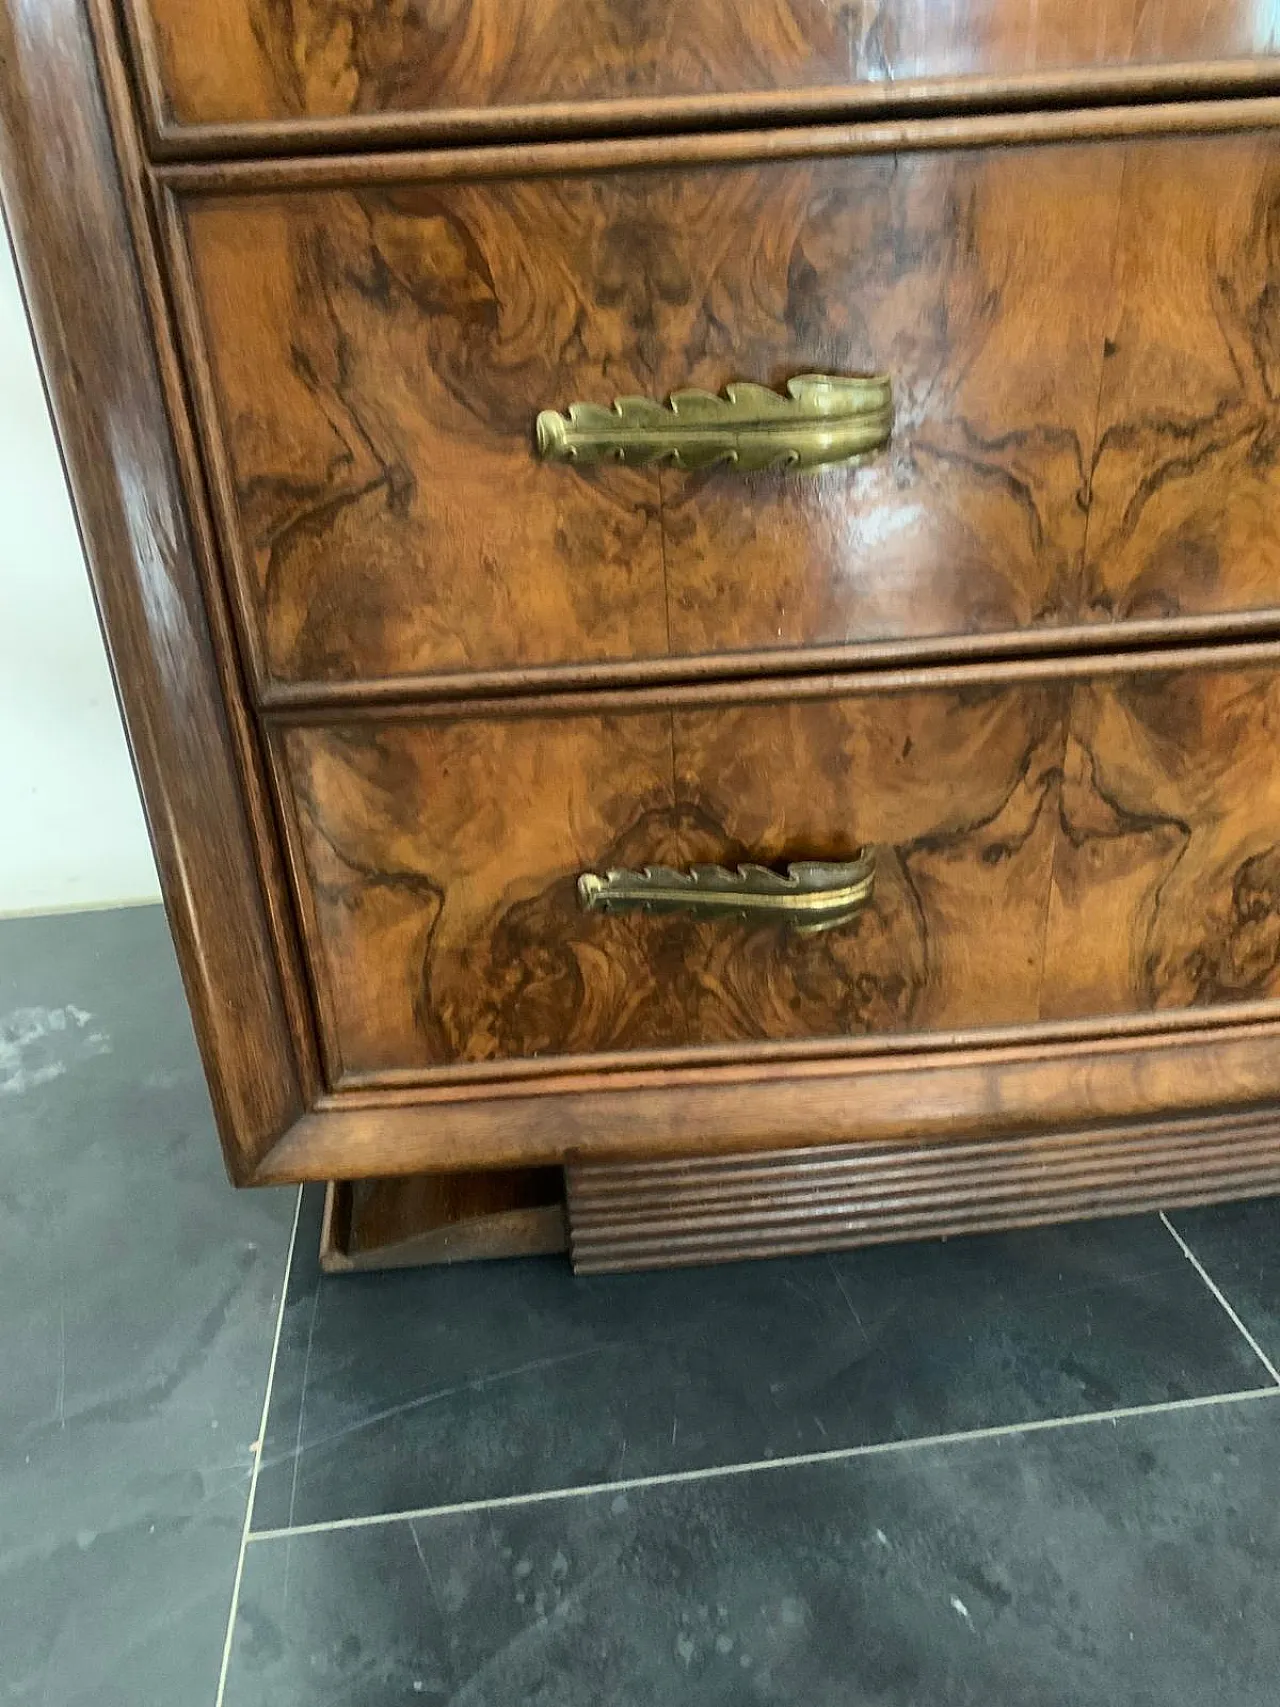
963	277
409	334
293	72
1166	889
1077	922
378	366
1186	480
449	932
969	1091
69	224
667	1214
439	861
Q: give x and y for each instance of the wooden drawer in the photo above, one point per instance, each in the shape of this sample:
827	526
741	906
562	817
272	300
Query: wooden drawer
438	860
1096	841
458	67
1081	341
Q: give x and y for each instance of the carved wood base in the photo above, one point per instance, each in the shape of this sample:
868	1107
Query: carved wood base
617	1216
669	1213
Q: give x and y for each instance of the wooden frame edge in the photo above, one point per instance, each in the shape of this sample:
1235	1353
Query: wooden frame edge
284	698
66	204
742	1062
1039	128
235	663
972	1096
615	699
954	95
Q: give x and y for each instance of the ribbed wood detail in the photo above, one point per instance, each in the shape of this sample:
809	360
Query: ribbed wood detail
665	1214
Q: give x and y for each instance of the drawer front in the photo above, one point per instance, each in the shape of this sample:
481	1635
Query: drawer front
377	356
1185	488
1082	847
1166	885
438	862
237	61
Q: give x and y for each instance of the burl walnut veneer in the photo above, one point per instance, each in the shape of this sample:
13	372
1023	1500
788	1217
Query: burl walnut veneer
783	850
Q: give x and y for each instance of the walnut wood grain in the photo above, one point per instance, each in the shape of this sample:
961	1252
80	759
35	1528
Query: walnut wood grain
1186	478
376	357
1166	888
1077	920
964	278
477	66
68	220
1136	811
937	1096
378	363
438	864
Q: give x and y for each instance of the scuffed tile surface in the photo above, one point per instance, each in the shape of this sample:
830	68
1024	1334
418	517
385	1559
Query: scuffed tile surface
443	1385
137	1306
1129	1564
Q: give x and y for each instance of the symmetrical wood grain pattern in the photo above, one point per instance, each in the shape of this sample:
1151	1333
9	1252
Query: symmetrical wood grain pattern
378	359
1078	917
439	863
70	228
666	1214
953	934
448	931
220	61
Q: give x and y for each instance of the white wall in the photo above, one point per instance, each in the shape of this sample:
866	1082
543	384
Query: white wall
71	829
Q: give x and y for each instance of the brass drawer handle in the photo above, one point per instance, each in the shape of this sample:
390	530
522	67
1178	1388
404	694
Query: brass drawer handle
820	421
810	896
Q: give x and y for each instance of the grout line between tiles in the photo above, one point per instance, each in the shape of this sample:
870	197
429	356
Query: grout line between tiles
1222	1298
719	1472
257	1457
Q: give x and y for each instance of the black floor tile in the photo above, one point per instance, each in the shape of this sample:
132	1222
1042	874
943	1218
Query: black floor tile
418	1389
137	1307
1129	1564
1239	1245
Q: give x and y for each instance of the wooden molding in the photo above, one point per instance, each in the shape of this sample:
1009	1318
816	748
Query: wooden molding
895	97
284	701
922	1097
665	1214
709	148
637	694
87	210
65	202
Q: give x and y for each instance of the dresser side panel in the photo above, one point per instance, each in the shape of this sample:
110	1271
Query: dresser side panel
68	223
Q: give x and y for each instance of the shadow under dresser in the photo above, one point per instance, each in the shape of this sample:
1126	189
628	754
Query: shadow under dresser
695	589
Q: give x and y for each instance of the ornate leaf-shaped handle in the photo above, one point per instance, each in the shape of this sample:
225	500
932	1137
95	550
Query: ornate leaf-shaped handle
809	896
821	420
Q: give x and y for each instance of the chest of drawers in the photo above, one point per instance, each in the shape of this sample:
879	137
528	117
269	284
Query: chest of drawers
794	849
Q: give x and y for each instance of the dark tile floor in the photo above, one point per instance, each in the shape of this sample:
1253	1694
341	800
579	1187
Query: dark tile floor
1034	1469
138	1299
